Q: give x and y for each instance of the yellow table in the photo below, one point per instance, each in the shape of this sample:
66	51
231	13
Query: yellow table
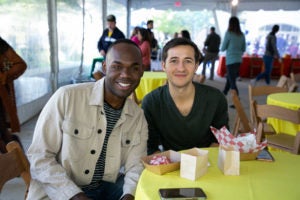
286	100
258	180
149	82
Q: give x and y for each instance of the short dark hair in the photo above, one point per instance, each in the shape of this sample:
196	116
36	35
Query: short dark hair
149	22
275	28
127	41
111	18
177	42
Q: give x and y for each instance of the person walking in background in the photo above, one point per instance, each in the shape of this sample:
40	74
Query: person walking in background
11	67
109	35
143	37
211	51
234	44
89	137
271	52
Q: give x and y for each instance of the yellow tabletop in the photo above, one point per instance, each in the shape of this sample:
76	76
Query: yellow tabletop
149	82
286	100
258	180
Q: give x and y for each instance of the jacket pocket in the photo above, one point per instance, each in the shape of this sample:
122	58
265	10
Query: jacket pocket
130	140
77	138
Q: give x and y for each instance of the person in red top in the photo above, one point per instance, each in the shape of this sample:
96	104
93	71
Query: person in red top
145	47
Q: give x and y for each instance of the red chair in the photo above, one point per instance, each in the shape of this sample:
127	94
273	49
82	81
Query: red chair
255	67
277	68
295	65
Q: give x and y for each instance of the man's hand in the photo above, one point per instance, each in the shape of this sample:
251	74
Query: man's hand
127	197
80	196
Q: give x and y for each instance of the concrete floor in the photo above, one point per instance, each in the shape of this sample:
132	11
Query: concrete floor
14	190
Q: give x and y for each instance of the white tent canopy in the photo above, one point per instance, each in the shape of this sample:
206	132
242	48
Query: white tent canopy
243	5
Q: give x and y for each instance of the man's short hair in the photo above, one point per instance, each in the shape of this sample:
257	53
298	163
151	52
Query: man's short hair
177	42
126	41
212	29
111	18
149	22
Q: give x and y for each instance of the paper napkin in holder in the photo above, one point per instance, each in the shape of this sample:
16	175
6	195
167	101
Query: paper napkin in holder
245	143
193	163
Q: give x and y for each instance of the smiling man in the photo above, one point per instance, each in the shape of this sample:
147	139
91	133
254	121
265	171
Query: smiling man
87	132
180	113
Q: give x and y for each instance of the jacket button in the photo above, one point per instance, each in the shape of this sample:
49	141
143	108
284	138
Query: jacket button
127	141
76	131
99	131
93	151
102	113
87	171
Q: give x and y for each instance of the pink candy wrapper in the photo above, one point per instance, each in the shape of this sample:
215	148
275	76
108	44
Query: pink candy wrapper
244	143
159	160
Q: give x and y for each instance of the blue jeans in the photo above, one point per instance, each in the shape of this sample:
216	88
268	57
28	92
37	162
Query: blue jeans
268	61
107	190
233	72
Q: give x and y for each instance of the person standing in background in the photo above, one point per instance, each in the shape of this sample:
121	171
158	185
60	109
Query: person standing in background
211	51
153	41
271	52
234	44
109	35
185	34
145	47
134	35
11	67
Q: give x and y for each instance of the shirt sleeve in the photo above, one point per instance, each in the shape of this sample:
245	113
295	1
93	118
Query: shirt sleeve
225	42
153	141
46	144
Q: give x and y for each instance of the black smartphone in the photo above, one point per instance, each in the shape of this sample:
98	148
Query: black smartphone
265	155
182	193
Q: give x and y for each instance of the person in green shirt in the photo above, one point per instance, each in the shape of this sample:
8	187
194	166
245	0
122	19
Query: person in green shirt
180	113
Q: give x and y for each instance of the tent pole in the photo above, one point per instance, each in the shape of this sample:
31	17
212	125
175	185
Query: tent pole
53	43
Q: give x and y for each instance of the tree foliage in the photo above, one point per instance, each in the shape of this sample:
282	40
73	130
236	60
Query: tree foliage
175	21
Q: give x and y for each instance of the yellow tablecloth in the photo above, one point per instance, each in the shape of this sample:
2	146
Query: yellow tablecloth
258	180
149	82
287	100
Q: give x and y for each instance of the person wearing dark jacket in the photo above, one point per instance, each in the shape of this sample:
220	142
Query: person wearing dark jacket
271	52
109	35
211	51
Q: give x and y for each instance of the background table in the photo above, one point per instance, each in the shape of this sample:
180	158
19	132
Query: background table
149	82
258	180
245	67
289	100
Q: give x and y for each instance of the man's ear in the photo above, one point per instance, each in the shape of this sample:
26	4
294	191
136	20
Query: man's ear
163	65
197	66
104	67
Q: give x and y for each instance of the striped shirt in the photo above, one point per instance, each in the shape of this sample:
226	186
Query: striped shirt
112	116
